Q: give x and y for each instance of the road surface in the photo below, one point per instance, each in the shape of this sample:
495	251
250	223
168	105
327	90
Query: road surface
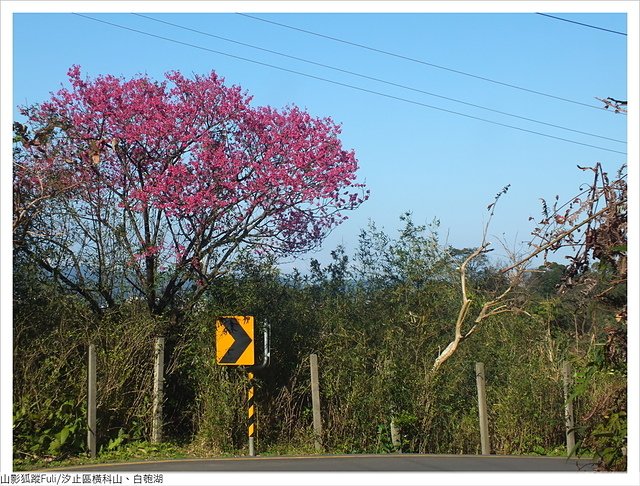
362	463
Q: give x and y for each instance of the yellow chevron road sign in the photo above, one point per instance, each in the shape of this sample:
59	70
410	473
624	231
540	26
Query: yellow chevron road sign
234	341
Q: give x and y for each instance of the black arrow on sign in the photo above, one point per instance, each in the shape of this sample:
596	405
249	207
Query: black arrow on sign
240	343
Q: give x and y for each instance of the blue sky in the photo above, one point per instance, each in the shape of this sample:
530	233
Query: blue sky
413	158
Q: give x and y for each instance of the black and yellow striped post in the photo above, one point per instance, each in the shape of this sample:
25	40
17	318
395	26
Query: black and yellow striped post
252	414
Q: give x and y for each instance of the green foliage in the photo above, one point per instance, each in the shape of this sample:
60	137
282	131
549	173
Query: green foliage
528	416
611	442
384	443
52	331
49	429
376	320
121	450
115	443
603	432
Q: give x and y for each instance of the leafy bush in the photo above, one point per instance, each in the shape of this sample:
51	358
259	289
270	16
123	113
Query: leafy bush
376	322
50	429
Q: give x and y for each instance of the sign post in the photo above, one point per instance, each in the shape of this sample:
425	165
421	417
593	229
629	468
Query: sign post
235	347
251	414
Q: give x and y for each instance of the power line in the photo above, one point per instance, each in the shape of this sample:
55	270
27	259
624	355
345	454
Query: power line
364	90
580	23
419	61
390	83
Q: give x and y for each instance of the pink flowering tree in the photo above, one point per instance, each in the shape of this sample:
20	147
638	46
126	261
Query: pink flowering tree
151	188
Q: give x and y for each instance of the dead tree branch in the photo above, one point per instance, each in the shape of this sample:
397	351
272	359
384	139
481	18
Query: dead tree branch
501	304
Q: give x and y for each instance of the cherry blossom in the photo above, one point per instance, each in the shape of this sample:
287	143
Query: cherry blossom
181	174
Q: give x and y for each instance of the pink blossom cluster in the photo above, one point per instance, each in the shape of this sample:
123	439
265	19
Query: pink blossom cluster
195	153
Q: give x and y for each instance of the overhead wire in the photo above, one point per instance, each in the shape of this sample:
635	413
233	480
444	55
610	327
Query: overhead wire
372	78
338	83
580	23
420	61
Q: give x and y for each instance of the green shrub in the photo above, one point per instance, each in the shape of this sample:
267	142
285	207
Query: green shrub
49	429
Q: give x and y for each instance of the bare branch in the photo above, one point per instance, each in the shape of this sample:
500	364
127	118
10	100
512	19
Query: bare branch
555	241
499	304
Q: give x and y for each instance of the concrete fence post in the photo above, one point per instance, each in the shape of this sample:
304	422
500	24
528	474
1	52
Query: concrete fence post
158	390
482	410
568	408
315	401
396	440
91	401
